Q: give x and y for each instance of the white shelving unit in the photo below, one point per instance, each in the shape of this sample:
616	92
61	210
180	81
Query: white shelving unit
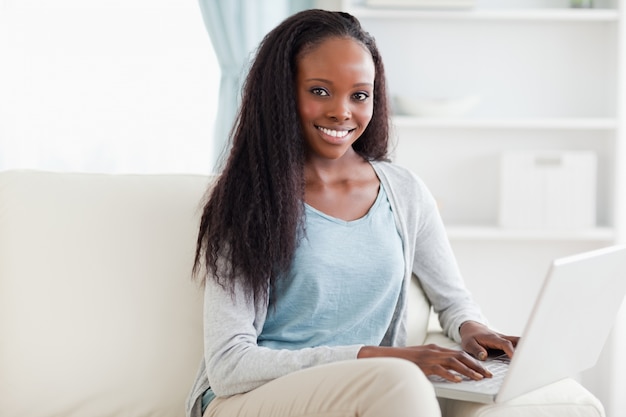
550	78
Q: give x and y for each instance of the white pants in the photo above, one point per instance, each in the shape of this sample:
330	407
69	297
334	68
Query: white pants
375	387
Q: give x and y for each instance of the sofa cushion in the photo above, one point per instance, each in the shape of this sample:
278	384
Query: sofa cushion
98	313
565	398
418	314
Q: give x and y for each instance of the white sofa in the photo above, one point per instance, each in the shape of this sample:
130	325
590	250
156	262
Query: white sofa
99	316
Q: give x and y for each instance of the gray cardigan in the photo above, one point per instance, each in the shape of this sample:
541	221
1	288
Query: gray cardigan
234	363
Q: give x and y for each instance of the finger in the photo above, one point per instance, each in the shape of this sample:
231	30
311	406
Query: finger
500	342
467	363
462	370
456	372
476	350
446	374
513	339
506	345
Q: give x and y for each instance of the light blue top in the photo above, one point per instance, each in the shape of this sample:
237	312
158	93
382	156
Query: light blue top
343	285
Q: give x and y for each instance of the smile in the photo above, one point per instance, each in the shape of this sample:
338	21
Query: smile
335	133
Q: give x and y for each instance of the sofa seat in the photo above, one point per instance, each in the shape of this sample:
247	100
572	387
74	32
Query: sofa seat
98	313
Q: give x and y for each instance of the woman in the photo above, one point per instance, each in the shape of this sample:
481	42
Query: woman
309	240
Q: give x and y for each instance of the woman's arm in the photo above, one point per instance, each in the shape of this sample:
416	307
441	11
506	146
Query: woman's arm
234	361
427	250
436	360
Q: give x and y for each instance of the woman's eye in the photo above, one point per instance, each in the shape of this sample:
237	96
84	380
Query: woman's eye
319	91
360	96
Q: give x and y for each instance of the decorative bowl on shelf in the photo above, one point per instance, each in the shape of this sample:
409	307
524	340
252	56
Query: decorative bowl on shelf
435	107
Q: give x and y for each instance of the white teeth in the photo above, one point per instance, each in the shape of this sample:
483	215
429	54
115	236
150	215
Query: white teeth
334	133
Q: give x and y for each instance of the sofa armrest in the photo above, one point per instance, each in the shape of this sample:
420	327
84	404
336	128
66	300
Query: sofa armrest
98	313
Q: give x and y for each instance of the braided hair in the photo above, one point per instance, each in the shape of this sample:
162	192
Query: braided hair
251	222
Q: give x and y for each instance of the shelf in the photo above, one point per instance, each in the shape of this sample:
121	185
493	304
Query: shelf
564	15
514	123
600	234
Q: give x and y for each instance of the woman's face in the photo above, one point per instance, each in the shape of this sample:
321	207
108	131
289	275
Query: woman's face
335	95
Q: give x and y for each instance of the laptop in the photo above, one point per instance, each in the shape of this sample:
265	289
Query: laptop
565	333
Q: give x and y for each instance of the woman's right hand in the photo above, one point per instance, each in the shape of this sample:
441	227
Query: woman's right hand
449	364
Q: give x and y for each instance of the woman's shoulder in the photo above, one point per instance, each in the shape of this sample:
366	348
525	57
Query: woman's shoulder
406	187
397	174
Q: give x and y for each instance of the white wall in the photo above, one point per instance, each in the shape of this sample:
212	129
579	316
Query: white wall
116	86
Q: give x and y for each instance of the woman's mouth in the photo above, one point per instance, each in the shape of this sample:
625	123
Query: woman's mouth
339	134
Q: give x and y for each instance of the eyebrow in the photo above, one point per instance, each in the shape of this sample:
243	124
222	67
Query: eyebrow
330	82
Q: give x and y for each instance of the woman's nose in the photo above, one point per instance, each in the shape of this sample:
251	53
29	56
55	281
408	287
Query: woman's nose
339	110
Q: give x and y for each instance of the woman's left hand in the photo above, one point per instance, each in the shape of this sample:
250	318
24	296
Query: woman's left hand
477	338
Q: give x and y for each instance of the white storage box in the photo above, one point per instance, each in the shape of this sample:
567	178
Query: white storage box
548	189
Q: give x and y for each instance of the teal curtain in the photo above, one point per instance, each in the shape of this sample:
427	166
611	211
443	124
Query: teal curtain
236	27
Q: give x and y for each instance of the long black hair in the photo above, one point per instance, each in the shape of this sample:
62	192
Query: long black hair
251	221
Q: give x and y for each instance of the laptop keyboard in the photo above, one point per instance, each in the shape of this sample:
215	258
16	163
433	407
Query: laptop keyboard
497	366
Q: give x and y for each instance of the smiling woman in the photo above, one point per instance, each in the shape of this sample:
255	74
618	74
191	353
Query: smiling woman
334	92
106	86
